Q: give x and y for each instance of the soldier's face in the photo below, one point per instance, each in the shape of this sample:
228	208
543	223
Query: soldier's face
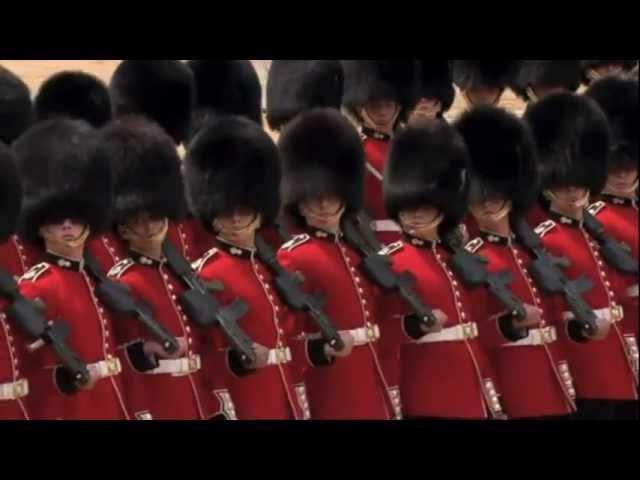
623	181
382	112
238	224
570	197
323	212
605	71
144	231
417	221
490	210
426	109
481	95
69	233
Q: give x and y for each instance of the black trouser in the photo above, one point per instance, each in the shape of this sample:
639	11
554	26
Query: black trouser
607	409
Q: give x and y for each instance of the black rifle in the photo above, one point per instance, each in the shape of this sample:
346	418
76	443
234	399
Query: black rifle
289	286
612	251
29	318
204	309
118	298
357	231
546	273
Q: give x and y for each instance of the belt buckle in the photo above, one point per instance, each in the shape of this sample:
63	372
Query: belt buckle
617	313
546	334
194	363
281	355
371	333
469	330
113	366
20	388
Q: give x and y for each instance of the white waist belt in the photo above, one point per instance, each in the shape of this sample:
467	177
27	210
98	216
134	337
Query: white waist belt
633	291
107	368
364	335
385	226
611	315
537	336
14	390
278	356
177	366
452	334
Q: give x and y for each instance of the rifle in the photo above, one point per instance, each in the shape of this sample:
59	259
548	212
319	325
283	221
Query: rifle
203	308
546	273
357	231
612	251
289	286
118	298
28	316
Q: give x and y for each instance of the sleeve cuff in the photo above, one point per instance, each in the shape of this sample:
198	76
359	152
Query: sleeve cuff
508	329
316	355
234	361
65	381
139	359
412	326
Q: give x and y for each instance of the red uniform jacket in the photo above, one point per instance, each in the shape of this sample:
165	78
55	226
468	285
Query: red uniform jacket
12	261
602	369
353	387
68	293
535	380
620	219
179	392
449	379
269	392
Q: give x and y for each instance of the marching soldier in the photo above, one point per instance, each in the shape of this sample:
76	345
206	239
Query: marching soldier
593	70
444	370
617	207
531	365
148	193
66	197
323	180
535	79
15	106
573	142
483	82
14	387
233	179
432	94
76	95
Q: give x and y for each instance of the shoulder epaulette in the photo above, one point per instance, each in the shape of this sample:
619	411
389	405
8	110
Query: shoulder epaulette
391	248
474	245
119	268
295	242
35	272
202	261
545	227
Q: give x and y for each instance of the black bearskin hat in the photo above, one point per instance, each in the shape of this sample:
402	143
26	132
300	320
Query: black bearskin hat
15	106
546	73
10	193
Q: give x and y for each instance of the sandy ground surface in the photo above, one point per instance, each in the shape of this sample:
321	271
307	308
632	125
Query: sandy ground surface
34	72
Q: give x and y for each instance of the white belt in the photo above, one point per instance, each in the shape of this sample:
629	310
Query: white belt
278	356
107	368
610	315
364	335
452	334
385	226
632	291
537	336
14	390
177	366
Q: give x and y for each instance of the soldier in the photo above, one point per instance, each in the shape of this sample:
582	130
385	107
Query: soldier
76	95
617	207
14	387
531	365
15	106
483	82
593	70
535	79
233	178
433	92
148	193
225	87
323	180
573	141
67	195
444	370
164	91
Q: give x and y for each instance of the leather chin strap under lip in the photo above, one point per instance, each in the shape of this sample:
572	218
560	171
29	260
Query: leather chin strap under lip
432	225
76	242
584	201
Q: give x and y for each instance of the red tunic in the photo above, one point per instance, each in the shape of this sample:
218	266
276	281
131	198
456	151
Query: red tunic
602	369
353	387
448	379
620	219
68	294
269	392
179	393
534	379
